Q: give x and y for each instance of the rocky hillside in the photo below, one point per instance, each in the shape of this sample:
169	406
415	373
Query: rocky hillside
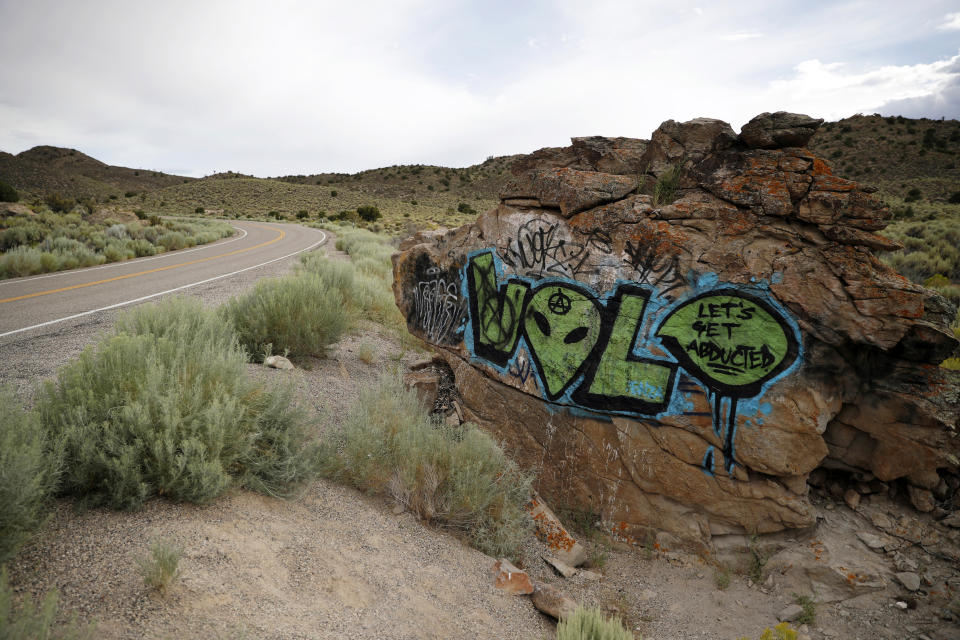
44	170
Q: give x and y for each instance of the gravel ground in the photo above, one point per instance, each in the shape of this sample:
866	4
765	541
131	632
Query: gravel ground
334	563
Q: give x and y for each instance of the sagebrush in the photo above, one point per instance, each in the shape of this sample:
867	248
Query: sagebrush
163	406
28	473
590	623
455	476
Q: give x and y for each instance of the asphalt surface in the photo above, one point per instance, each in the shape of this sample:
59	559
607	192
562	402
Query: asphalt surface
38	304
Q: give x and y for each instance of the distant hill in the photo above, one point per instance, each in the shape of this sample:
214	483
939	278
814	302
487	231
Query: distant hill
44	170
895	154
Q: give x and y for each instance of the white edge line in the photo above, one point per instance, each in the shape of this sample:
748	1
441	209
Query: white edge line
162	293
166	254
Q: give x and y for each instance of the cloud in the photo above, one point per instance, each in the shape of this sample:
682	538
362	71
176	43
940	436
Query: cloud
951	22
743	35
290	87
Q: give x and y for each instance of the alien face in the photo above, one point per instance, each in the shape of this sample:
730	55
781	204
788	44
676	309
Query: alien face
562	326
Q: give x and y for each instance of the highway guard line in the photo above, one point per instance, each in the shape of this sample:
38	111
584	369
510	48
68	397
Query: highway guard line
154	295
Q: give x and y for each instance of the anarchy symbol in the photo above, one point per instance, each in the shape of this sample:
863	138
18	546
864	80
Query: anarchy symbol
559	303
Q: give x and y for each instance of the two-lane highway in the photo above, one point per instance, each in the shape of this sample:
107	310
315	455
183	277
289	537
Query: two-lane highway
32	303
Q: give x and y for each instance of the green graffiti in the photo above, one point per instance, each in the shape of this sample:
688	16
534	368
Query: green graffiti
562	326
496	313
621	374
730	341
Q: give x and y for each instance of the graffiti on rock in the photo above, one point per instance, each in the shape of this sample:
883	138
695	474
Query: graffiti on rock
596	354
438	308
543	248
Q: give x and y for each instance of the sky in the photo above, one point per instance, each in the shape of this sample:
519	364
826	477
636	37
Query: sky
278	88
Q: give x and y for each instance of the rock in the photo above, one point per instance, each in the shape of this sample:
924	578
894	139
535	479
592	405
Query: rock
872	541
553	534
15	208
900	604
790	613
780	129
952	520
580	334
510	579
589	575
552	602
562	568
909	580
921	499
852	498
426	383
278	362
423	363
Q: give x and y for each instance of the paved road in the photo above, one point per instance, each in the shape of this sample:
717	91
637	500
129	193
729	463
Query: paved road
37	302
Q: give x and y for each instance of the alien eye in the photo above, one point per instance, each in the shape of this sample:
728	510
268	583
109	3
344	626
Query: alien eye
542	323
576	335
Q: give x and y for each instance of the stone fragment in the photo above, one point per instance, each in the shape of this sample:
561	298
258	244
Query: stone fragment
510	579
278	362
552	601
780	129
553	534
589	575
790	613
921	499
426	383
872	540
852	498
909	579
432	361
562	568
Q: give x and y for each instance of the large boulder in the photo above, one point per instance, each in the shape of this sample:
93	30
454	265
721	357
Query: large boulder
683	363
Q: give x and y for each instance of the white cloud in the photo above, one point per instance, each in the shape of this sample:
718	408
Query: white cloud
951	22
743	35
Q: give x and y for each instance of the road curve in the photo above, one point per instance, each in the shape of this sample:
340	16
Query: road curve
32	303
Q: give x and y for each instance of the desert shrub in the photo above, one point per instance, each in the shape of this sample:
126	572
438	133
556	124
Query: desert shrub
172	240
199	210
366	353
28	472
59	203
782	631
8	193
161	566
163	406
665	190
22	261
463	207
590	623
954	198
298	315
368	213
143	247
302	214
454	476
36	621
913	195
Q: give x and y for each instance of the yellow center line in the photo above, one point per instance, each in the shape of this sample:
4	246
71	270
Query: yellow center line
141	273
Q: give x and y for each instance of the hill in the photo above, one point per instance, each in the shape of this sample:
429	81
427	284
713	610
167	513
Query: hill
45	170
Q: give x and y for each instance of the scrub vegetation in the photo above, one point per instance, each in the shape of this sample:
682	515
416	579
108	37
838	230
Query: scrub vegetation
47	241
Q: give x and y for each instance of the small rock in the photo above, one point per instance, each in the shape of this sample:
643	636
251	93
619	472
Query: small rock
789	613
909	579
278	362
510	579
589	575
780	129
852	498
828	506
552	532
900	604
426	384
881	521
873	541
452	420
561	567
550	601
922	499
423	363
952	520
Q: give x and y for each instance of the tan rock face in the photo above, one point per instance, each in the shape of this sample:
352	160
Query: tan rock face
682	366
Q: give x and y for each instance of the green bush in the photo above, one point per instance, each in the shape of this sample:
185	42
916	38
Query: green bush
298	315
28	472
954	198
162	566
455	476
59	203
163	406
8	193
368	213
32	621
199	210
591	624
